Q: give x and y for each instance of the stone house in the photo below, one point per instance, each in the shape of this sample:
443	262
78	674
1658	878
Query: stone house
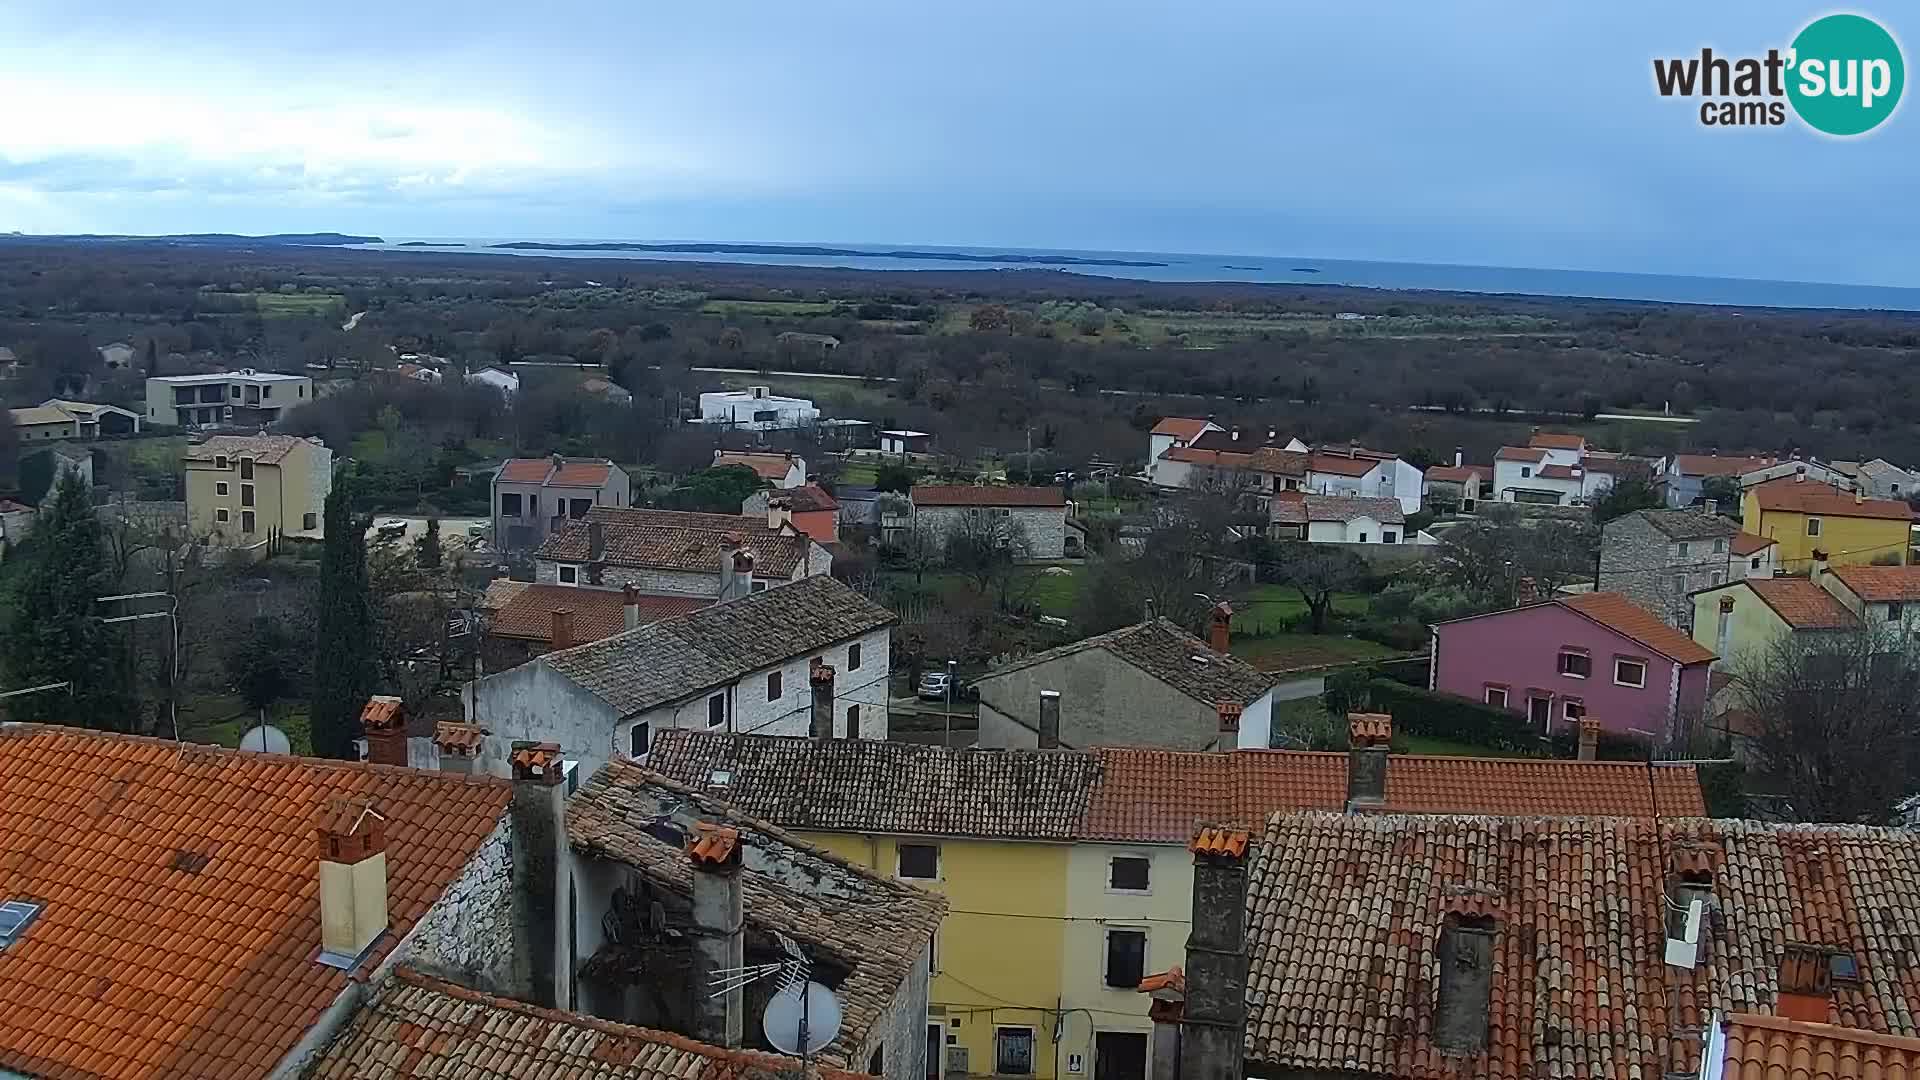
1465	485
524	619
1151	684
676	553
810	657
811	509
1032	520
1882	479
534	497
1659	558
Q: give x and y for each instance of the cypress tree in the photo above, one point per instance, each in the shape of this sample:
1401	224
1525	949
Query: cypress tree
428	553
343	665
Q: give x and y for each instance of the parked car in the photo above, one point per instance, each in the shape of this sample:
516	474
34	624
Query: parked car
391	529
933	686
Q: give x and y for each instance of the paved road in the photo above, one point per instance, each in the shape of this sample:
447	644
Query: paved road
417	527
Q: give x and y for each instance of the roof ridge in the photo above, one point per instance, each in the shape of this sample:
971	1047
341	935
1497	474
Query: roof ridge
21	729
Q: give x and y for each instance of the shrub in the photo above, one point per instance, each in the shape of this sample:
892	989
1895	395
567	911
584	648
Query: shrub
1611	746
1402	634
1444	716
1724	786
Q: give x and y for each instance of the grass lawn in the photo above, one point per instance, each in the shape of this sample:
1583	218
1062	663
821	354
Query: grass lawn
1427	744
1289	652
859	474
1268	606
766	307
220	719
275	305
1057	594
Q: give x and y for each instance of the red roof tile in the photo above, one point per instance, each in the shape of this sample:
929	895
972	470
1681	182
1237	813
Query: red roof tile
144	964
1801	604
674	540
1623	616
1181	427
1748	544
525	470
597	613
382	711
1196	456
1555	440
765	466
572	472
808	498
1789	495
1457	474
1220	841
1341	465
1880	584
1774	1048
712	843
1710	465
1559	472
1520	453
1280	462
581	474
984	495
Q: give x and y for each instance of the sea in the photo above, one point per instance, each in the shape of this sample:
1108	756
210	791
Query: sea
1174	267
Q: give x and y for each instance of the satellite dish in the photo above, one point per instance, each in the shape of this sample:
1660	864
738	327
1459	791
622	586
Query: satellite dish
820	1009
266	739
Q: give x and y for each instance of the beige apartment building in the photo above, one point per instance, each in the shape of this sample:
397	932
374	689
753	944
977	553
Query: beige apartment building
243	490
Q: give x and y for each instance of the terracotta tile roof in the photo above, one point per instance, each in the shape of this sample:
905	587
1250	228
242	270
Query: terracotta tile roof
572	472
1748	544
501	591
1164	650
1879	584
673	540
1687	524
1279	462
1710	465
808	498
985	495
138	967
1457	474
864	785
765	466
1559	472
1221	458
264	449
1801	604
382	711
1181	427
1520	453
1346	912
1808	497
525	470
871	923
1616	464
1623	616
676	658
1341	465
417	1027
1300	508
1219	841
1762	1047
461	737
597	613
1555	440
1161	796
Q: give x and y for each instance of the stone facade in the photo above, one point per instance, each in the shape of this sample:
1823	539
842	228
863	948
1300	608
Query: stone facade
676	582
1657	572
467	935
1042	528
1104	701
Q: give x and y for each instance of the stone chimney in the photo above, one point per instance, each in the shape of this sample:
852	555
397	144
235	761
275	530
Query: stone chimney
541	965
385	721
352	838
719	935
559	460
779	512
1168	991
820	679
1049	719
1859	497
1368	737
729	544
630	606
1229	714
1220	627
1590	737
459	746
1800	477
1806	984
596	542
1525	592
1146	610
1459	457
561	634
1214	1022
1819	569
742	574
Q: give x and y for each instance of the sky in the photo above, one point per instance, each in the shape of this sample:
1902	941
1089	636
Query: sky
1507	134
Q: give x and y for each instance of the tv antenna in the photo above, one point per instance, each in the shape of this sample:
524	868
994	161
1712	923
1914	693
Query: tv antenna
803	1016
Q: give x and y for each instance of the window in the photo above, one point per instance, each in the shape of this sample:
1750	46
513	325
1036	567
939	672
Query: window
716	710
309	521
1813	526
1497	696
15	917
220	487
577	508
853	657
220	461
640	738
1679	583
1128	873
1683	549
1126	958
235	388
759	586
773	686
1363	538
246	521
300	391
569	575
1540	710
246	494
1013	1051
1574	709
1893	611
919	861
853	721
509	504
1526	471
1717	577
1629	672
266	392
1719	547
1575	664
1755	563
221	514
246	468
1388	536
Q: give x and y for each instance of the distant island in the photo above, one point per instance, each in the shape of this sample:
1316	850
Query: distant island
429	243
804	250
324	239
1303	269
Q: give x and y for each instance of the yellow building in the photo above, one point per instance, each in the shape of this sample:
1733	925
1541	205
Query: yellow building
243	490
1804	517
1741	619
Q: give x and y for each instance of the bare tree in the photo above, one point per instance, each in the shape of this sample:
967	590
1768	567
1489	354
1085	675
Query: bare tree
1318	572
985	548
1486	558
1833	721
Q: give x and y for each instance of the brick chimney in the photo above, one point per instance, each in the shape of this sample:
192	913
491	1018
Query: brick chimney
719	935
1049	719
541	967
1368	736
1806	984
561	633
459	746
1229	715
385	721
1220	625
1525	591
820	679
1214	1021
352	839
1589	738
630	606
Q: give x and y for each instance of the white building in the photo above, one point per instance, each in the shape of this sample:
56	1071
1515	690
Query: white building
504	381
1338	519
740	666
757	408
785	471
1174	431
1356	472
243	398
1558	470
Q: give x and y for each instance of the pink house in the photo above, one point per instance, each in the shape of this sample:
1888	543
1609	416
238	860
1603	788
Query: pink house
1557	661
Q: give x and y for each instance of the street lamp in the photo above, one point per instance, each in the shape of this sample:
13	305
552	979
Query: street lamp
951	666
172	616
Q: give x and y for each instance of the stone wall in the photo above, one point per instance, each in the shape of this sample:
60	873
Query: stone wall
1042	528
467	935
1104	701
1646	566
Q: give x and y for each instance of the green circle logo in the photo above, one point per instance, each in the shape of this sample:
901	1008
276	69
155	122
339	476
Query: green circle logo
1846	74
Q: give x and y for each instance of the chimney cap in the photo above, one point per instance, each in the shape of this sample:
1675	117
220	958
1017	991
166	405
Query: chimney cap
630	594
350	829
1369	729
713	845
820	673
1229	713
1223	610
383	712
536	761
460	740
1049	693
1221	840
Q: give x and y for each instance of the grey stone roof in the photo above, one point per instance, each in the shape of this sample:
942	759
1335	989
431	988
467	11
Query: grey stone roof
679	657
1162	649
870	786
1688	524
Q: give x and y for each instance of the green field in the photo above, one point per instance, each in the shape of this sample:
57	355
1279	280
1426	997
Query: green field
220	720
1269	607
1211	329
1291	652
768	307
274	305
